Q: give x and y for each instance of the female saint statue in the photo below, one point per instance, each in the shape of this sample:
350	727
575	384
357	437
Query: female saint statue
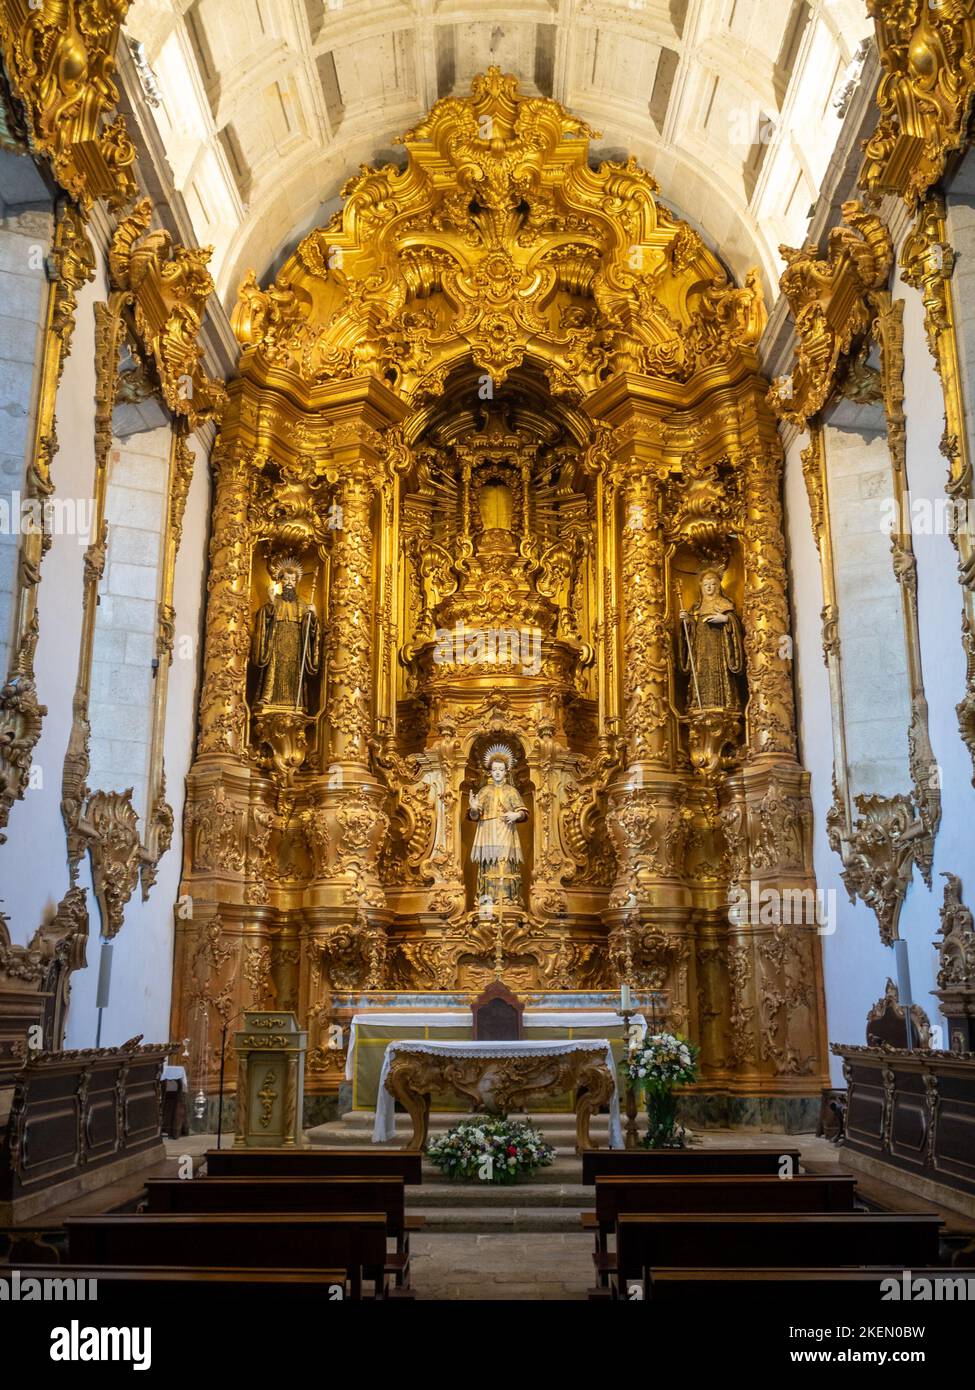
496	851
285	648
710	647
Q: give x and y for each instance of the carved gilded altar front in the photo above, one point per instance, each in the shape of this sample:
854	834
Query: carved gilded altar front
498	471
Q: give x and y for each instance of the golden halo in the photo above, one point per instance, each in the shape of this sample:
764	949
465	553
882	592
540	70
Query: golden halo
496	751
280	563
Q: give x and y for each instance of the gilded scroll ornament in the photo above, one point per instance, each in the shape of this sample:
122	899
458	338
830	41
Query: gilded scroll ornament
925	94
60	62
21	713
168	285
828	299
927	263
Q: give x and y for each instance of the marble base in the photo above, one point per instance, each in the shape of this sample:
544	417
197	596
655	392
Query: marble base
938	1193
24	1209
776	1114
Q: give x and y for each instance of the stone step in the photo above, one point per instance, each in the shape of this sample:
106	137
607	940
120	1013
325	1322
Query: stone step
484	1220
530	1193
355	1127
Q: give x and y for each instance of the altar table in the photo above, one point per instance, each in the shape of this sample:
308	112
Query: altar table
499	1075
372	1030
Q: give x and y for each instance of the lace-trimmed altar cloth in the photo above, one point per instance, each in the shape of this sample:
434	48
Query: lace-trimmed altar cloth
463	1018
385	1124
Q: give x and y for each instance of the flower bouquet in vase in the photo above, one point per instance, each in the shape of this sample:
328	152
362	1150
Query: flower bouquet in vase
656	1065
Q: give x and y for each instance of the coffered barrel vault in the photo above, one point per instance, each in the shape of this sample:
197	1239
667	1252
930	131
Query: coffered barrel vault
264	106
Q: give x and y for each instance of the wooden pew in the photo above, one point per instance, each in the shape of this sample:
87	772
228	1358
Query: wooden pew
297	1194
320	1163
249	1287
647	1162
857	1286
353	1241
709	1192
645	1241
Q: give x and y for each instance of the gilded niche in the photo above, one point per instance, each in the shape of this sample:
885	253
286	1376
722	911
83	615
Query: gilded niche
496	676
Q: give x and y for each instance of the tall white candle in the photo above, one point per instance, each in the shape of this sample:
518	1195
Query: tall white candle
624	999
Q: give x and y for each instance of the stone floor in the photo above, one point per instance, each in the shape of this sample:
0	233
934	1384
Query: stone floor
535	1265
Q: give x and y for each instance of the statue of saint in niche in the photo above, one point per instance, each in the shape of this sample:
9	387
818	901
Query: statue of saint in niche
286	643
496	851
710	647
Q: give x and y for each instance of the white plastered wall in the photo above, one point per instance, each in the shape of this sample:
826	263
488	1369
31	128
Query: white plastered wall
856	963
33	863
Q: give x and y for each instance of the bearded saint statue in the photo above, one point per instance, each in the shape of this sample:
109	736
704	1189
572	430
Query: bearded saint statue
497	808
710	647
286	642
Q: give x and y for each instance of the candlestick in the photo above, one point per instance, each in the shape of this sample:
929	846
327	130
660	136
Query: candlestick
632	1135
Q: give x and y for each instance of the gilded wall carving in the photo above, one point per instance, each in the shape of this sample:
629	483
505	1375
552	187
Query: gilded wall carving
158	294
498	437
60	63
21	713
927	262
843	311
924	97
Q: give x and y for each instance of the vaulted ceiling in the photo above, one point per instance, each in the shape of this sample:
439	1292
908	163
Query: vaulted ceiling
265	107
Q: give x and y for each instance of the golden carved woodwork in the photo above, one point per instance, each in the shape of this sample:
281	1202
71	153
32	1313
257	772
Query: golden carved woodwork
829	299
842	308
166	287
60	63
36	977
505	409
957	945
509	1082
157	299
925	94
21	714
927	262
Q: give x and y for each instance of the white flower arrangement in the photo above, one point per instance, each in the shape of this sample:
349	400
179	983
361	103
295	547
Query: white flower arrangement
661	1059
495	1149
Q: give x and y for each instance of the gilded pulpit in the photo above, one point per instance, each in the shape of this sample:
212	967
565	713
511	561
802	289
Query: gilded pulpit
504	422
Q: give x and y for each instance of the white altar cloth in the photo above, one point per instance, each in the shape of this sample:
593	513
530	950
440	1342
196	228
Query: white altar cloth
458	1018
385	1124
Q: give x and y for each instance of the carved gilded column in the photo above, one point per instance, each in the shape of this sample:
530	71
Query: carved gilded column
351	617
222	712
646	642
768	646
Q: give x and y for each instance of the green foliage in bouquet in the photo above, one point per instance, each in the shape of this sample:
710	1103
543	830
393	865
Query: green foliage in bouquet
656	1065
493	1149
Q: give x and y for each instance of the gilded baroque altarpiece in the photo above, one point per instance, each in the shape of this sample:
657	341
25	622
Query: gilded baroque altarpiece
492	428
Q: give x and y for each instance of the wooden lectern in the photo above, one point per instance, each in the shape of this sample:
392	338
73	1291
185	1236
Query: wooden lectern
270	1080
